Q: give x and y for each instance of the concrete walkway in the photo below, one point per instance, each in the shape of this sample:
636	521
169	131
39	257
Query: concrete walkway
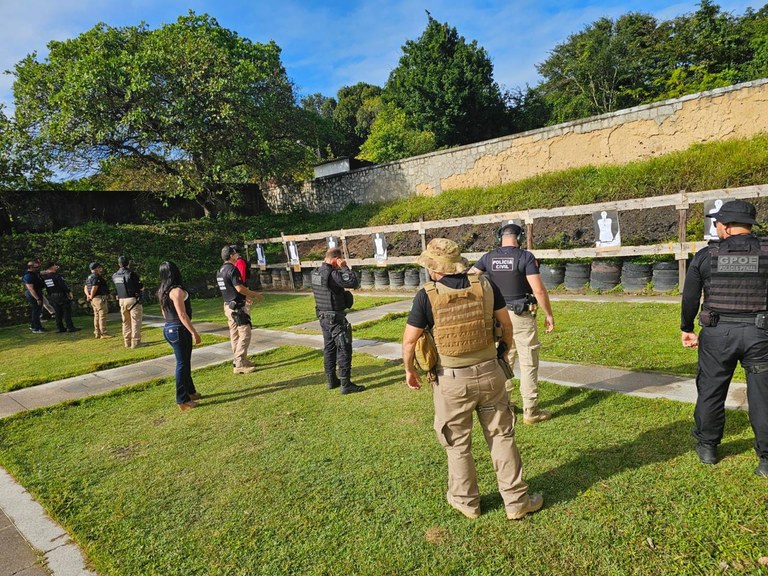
31	544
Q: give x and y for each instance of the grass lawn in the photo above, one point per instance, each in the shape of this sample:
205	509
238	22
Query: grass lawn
625	335
27	359
276	311
274	474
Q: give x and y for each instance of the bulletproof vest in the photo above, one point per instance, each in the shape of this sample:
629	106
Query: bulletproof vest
123	285
503	268
326	299
53	285
224	280
463	329
738	281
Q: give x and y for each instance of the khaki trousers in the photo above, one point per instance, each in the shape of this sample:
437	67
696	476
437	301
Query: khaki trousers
526	346
458	395
240	338
132	314
100	306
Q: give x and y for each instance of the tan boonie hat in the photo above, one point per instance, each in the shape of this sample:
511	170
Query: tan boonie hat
443	256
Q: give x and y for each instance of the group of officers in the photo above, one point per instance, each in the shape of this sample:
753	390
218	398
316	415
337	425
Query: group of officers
480	318
463	307
47	288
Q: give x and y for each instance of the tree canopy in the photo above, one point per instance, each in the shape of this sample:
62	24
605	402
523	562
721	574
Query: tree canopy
191	101
445	86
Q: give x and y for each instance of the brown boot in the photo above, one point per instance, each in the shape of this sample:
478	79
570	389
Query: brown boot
534	504
535	415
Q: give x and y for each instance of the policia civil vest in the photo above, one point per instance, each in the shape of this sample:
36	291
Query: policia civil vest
738	281
227	287
125	283
328	298
464	323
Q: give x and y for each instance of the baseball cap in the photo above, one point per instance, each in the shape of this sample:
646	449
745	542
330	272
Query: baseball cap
735	212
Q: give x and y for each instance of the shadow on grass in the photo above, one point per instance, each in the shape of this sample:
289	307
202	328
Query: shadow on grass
372	376
567	481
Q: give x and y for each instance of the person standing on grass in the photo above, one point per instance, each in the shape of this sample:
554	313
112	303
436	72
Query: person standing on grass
179	332
60	297
733	274
129	287
236	297
33	292
97	293
516	273
460	311
329	283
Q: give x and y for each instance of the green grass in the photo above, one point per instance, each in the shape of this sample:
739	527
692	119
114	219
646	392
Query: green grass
28	359
274	474
625	335
277	311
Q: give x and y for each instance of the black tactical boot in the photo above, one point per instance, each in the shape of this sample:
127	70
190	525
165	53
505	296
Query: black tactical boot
333	381
707	453
348	388
762	468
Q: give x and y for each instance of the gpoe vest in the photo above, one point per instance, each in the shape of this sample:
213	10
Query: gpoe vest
326	300
738	281
503	268
52	286
224	280
464	322
123	285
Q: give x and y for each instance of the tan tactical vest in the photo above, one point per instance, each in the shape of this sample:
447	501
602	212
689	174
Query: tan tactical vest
464	323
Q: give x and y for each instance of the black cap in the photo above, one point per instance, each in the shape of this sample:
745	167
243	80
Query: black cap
510	229
93	265
735	212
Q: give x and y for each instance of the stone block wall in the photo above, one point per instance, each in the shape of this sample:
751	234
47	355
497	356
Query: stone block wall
638	133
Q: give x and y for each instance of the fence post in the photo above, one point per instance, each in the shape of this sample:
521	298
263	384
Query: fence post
682	224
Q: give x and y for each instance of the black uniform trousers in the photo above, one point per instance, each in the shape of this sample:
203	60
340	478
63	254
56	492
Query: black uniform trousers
62	307
720	348
337	343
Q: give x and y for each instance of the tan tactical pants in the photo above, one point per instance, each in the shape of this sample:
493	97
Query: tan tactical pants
459	394
99	305
240	338
526	345
132	314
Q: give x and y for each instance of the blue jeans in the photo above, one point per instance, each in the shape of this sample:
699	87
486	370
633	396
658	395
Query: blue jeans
181	341
35	311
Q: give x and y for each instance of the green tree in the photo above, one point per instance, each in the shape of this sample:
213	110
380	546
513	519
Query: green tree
190	100
353	115
393	137
323	137
445	86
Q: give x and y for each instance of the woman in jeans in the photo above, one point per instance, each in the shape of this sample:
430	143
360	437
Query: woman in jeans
179	332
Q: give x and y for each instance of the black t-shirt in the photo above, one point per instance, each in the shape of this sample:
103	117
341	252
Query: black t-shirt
96	280
36	281
228	278
508	267
54	283
420	315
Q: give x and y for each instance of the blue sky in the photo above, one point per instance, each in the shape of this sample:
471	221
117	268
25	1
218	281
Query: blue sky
329	44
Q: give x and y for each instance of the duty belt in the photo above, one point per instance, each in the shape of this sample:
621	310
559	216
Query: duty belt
329	313
737	319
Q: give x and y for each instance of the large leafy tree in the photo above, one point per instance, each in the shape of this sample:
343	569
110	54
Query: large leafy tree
354	115
323	137
392	136
190	101
445	86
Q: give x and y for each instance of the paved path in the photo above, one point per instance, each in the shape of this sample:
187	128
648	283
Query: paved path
33	545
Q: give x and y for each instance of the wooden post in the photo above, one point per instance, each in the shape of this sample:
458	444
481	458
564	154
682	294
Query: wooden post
529	235
344	245
682	225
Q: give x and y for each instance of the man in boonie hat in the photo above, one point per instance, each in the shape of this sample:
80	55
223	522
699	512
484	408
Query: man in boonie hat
460	311
733	273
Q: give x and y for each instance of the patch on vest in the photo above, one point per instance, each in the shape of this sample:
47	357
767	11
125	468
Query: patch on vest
740	264
502	264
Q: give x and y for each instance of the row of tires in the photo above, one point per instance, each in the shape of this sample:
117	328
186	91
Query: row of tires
662	276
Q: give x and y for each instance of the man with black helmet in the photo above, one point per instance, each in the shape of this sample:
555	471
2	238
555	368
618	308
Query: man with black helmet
733	274
236	297
60	297
129	287
516	272
331	300
97	294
